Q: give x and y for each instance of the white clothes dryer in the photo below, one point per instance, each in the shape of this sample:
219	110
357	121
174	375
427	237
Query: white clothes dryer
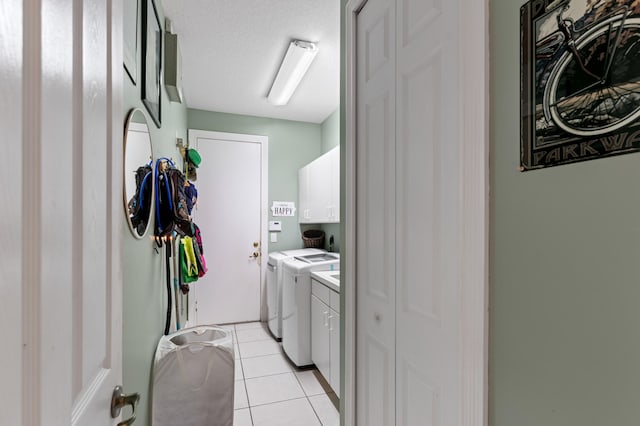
274	286
296	303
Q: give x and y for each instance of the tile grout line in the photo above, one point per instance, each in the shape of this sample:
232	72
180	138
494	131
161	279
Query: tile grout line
243	378
244	381
314	411
308	400
278	402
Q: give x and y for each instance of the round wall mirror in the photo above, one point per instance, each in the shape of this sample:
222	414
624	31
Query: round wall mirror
138	173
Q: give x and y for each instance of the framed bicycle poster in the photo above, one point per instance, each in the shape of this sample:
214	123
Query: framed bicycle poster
580	80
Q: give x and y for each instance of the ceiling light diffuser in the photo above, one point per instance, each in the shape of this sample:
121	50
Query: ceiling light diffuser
294	66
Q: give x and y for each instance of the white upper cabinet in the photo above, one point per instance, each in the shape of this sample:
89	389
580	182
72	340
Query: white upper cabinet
319	189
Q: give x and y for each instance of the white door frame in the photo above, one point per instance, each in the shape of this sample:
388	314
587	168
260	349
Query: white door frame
474	131
193	134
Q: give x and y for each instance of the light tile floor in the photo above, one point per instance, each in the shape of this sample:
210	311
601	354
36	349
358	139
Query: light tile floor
270	390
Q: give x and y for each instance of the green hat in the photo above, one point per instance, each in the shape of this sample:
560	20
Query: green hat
194	157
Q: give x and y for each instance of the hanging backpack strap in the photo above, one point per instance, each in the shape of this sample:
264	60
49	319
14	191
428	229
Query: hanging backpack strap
160	175
143	185
167	323
156	178
175	278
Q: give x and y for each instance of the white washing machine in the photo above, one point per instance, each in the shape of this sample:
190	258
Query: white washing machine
274	285
296	303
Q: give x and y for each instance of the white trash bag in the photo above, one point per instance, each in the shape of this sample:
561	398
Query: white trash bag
193	378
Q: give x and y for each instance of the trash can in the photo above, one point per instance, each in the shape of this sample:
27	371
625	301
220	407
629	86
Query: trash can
193	378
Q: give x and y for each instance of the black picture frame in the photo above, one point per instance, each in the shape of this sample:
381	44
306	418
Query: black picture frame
579	81
130	42
151	61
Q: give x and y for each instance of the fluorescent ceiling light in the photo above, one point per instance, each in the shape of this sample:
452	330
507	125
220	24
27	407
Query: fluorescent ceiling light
295	64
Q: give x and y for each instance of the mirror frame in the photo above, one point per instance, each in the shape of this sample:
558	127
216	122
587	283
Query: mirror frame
125	172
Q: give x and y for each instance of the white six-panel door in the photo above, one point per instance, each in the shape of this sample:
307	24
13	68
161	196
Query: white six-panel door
61	119
231	213
420	260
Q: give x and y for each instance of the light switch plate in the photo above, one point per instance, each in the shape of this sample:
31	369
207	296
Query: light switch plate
274	237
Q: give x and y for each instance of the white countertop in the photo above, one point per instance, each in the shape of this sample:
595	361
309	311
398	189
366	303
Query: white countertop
329	278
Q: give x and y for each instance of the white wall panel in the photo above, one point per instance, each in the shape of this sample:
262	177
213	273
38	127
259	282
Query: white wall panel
378	388
57	140
377	45
93	192
418	398
419	188
376	170
416	16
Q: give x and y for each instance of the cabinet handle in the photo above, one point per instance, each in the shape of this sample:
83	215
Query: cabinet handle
330	322
326	318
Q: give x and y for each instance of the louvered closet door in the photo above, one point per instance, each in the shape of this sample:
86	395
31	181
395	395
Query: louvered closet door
408	214
375	204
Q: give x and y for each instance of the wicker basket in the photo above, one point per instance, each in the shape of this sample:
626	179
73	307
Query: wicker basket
313	238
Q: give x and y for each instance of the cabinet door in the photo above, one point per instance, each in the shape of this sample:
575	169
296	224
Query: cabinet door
303	195
319	189
333	205
320	336
334	356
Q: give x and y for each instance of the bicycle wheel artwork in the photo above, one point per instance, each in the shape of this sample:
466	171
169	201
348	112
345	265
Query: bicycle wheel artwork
580	80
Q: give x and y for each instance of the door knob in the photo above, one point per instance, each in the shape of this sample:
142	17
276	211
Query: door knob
119	400
255	255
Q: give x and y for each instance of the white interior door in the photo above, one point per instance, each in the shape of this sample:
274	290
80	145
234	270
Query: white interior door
408	197
375	246
60	113
231	213
428	296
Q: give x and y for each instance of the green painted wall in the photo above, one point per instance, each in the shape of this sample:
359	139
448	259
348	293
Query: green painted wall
331	139
144	294
292	144
564	288
331	132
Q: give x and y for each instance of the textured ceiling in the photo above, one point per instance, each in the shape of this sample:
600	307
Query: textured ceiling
231	51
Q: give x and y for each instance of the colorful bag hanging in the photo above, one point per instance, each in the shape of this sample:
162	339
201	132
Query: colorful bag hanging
197	237
202	265
188	262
